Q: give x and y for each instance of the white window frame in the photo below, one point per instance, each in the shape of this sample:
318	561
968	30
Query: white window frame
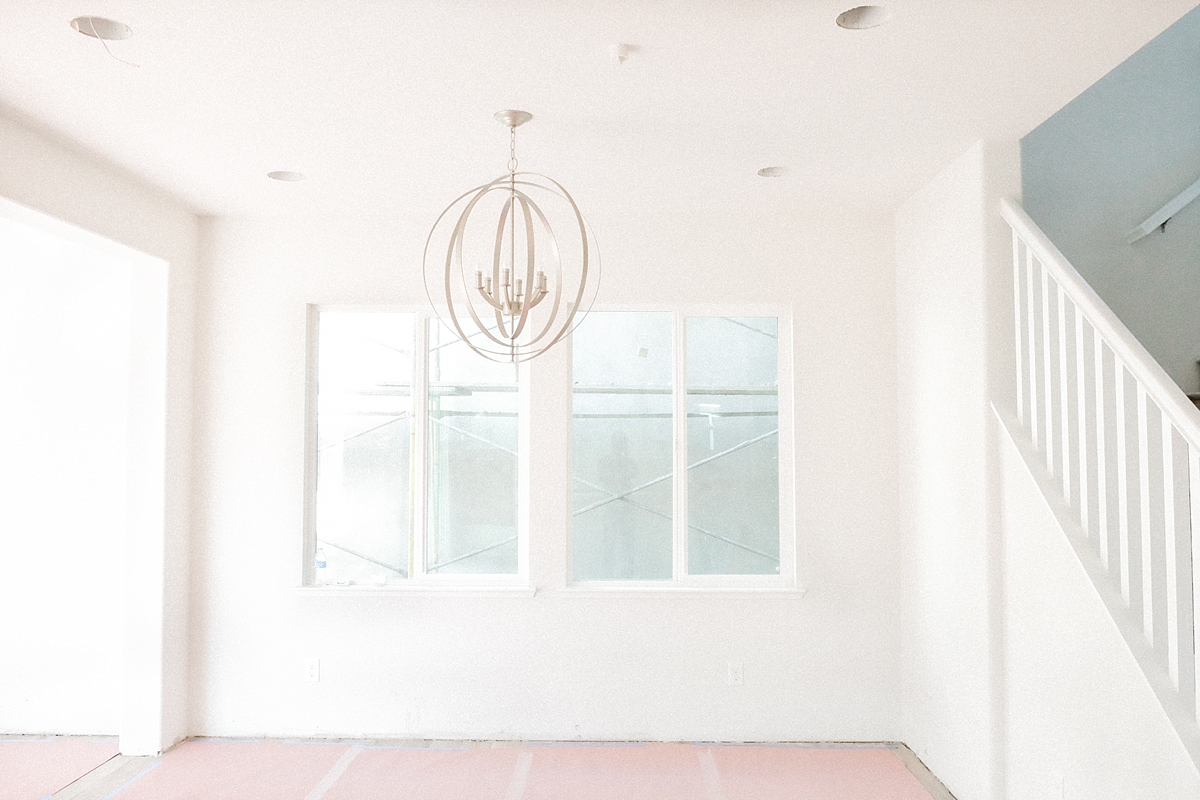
419	579
680	579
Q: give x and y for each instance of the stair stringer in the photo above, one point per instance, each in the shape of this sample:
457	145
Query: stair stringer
1127	624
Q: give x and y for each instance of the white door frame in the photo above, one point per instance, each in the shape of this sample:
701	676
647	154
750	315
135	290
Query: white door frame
142	729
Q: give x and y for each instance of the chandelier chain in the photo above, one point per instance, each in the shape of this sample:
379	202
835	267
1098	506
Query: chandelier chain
512	150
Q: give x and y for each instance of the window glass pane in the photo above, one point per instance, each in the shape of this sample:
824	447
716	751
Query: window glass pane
364	404
623	446
733	445
472	459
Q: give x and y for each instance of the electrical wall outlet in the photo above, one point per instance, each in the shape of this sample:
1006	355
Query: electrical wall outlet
737	675
312	669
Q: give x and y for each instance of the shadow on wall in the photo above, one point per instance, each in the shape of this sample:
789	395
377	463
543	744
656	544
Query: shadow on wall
1106	162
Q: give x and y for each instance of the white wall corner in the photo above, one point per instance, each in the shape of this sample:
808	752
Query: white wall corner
947	237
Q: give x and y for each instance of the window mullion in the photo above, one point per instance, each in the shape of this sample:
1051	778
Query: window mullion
679	482
525	433
420	450
308	576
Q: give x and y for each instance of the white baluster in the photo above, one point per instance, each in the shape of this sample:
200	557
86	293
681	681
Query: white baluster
1019	347
1030	329
1122	476
1047	362
1081	420
1194	531
1170	530
1064	405
1145	534
1102	452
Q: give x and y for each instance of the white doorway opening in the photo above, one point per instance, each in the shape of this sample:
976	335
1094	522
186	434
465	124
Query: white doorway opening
82	421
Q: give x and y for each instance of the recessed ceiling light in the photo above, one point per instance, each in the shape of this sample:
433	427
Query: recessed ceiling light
863	17
285	175
771	172
100	28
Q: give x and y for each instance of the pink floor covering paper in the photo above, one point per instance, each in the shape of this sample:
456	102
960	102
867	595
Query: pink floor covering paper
275	770
31	769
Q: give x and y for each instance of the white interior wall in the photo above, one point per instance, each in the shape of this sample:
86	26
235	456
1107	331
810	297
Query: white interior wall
945	251
64	355
557	665
1081	719
41	172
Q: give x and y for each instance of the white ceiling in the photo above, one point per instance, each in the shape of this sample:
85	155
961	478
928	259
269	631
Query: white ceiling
387	105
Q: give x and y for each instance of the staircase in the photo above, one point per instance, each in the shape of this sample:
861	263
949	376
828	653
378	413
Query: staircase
1115	446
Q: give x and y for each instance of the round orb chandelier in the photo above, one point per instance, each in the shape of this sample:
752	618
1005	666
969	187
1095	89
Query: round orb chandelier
510	286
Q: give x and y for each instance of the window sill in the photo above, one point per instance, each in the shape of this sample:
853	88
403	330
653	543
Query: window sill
591	590
417	589
577	591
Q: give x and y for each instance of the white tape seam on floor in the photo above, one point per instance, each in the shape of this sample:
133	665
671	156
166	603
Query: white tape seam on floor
516	789
334	773
130	782
708	768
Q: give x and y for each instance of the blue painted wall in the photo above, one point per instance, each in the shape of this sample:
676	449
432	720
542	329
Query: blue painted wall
1108	160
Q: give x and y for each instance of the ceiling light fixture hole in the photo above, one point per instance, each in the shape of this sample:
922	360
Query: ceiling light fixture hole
861	18
100	28
285	175
620	52
771	172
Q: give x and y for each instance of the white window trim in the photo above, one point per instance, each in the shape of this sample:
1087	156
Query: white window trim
786	581
420	581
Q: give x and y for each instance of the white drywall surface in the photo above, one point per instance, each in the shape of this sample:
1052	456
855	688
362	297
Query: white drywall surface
157	235
557	665
945	238
1081	719
64	408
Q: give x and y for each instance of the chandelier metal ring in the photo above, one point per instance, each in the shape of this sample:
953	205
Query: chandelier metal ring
503	299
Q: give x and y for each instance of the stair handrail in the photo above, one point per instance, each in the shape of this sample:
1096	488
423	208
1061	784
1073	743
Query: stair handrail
1160	218
1131	353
